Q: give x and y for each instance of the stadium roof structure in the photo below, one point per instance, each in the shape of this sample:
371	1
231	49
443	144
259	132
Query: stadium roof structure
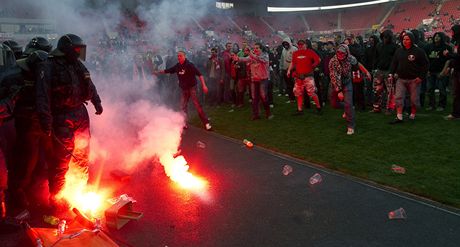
299	3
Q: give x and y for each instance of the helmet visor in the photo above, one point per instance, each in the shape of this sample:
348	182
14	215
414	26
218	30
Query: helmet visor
81	52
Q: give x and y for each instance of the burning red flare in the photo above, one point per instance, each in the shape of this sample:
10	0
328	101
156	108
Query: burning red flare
177	170
82	196
76	191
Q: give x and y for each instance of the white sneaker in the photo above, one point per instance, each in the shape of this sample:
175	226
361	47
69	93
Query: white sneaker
208	127
450	117
350	131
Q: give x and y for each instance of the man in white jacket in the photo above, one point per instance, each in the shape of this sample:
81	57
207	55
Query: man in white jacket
285	61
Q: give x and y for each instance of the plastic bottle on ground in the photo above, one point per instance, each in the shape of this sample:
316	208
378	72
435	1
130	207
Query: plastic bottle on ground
399	213
287	169
200	144
316	178
398	169
248	143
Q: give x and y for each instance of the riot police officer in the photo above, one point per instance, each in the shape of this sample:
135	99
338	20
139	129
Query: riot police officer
15	47
10	85
30	140
64	86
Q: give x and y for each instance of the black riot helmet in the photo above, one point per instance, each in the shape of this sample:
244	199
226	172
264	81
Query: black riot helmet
13	45
72	46
29	62
37	43
7	58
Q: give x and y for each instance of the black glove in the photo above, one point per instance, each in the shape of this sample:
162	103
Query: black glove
98	108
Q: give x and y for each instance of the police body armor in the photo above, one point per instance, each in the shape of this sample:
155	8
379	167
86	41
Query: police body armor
71	85
10	82
26	104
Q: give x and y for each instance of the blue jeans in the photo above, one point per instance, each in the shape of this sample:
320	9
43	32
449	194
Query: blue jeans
259	91
435	81
347	90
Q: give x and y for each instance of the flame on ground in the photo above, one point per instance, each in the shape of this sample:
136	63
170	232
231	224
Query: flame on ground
177	171
82	196
76	191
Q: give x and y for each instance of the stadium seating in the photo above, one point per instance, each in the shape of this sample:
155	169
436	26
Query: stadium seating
362	17
322	20
409	15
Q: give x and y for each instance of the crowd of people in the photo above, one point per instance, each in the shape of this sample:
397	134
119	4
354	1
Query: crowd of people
43	91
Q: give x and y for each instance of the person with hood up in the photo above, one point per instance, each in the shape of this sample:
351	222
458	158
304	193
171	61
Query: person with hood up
409	67
454	63
340	69
423	44
437	57
285	61
385	52
370	62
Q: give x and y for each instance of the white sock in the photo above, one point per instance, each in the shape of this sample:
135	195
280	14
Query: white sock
399	116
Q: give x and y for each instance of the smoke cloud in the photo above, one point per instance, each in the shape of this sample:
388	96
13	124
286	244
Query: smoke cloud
136	125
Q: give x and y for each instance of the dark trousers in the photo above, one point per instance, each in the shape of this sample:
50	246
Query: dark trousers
241	90
456	101
225	90
439	82
7	141
423	90
319	87
289	81
71	136
188	94
212	97
358	95
31	143
270	92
